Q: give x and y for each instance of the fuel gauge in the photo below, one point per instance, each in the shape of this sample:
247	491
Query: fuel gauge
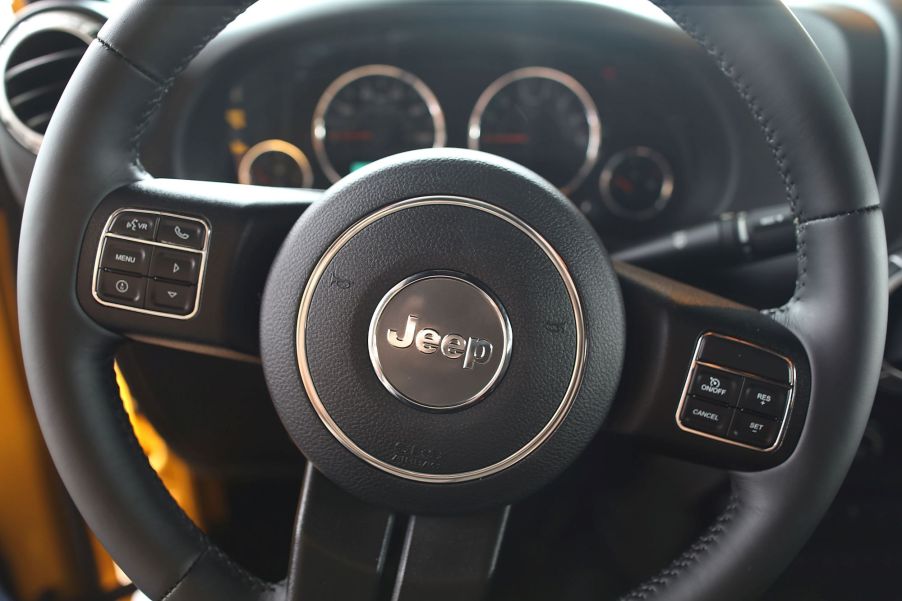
637	183
275	163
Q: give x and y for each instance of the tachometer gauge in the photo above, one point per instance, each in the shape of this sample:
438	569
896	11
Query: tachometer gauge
637	183
275	163
372	112
543	119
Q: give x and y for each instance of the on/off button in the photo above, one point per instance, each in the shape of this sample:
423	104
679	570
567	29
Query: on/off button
716	385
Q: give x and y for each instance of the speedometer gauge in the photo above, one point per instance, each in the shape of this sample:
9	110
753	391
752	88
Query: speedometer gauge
372	112
543	119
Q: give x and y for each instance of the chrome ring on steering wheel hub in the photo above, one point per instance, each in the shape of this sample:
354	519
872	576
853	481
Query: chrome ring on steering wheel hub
440	372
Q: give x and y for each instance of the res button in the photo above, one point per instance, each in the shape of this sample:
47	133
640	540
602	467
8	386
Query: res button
716	385
763	398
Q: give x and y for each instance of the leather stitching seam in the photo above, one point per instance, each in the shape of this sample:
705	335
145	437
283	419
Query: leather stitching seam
165	84
142	71
841	214
783	168
689	558
160	489
179	582
666	577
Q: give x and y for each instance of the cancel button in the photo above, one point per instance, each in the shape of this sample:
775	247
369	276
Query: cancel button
706	417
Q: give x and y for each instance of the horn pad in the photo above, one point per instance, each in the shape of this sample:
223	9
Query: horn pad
442	332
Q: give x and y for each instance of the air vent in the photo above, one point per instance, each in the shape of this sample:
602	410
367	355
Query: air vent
37	58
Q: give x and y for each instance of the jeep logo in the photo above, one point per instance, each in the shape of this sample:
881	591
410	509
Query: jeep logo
438	341
453	346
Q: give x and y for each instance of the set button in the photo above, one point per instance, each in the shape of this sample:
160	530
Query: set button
754	430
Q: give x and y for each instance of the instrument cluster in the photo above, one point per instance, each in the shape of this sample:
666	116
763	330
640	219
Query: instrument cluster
635	133
538	116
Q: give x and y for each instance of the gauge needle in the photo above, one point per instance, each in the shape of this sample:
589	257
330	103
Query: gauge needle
361	135
506	139
624	184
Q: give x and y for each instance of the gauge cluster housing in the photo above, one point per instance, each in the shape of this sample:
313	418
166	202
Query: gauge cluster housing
656	95
650	86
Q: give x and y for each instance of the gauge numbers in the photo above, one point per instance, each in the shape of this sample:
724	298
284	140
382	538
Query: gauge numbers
372	112
543	119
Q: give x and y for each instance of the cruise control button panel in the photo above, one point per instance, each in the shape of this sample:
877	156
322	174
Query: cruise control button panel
738	393
152	263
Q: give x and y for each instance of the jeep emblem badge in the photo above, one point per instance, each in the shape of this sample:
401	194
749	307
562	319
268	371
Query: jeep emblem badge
452	346
440	341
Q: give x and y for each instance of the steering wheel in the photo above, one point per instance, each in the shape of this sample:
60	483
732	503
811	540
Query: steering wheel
442	332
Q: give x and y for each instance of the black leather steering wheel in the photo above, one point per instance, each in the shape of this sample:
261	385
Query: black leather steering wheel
606	336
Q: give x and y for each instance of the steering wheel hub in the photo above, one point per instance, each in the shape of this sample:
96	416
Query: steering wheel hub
439	336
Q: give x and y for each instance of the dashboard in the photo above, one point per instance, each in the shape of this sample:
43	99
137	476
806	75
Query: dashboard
642	137
606	99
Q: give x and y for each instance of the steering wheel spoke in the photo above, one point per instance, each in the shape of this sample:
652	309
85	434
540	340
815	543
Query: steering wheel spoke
707	379
183	263
450	558
340	544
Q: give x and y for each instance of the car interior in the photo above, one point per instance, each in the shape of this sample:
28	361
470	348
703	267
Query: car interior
450	300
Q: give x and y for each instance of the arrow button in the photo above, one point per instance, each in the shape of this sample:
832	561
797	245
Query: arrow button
170	298
175	265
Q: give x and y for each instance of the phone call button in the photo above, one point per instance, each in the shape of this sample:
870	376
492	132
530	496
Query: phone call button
181	232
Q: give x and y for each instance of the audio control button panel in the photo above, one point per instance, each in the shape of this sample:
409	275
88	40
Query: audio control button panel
151	262
738	393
